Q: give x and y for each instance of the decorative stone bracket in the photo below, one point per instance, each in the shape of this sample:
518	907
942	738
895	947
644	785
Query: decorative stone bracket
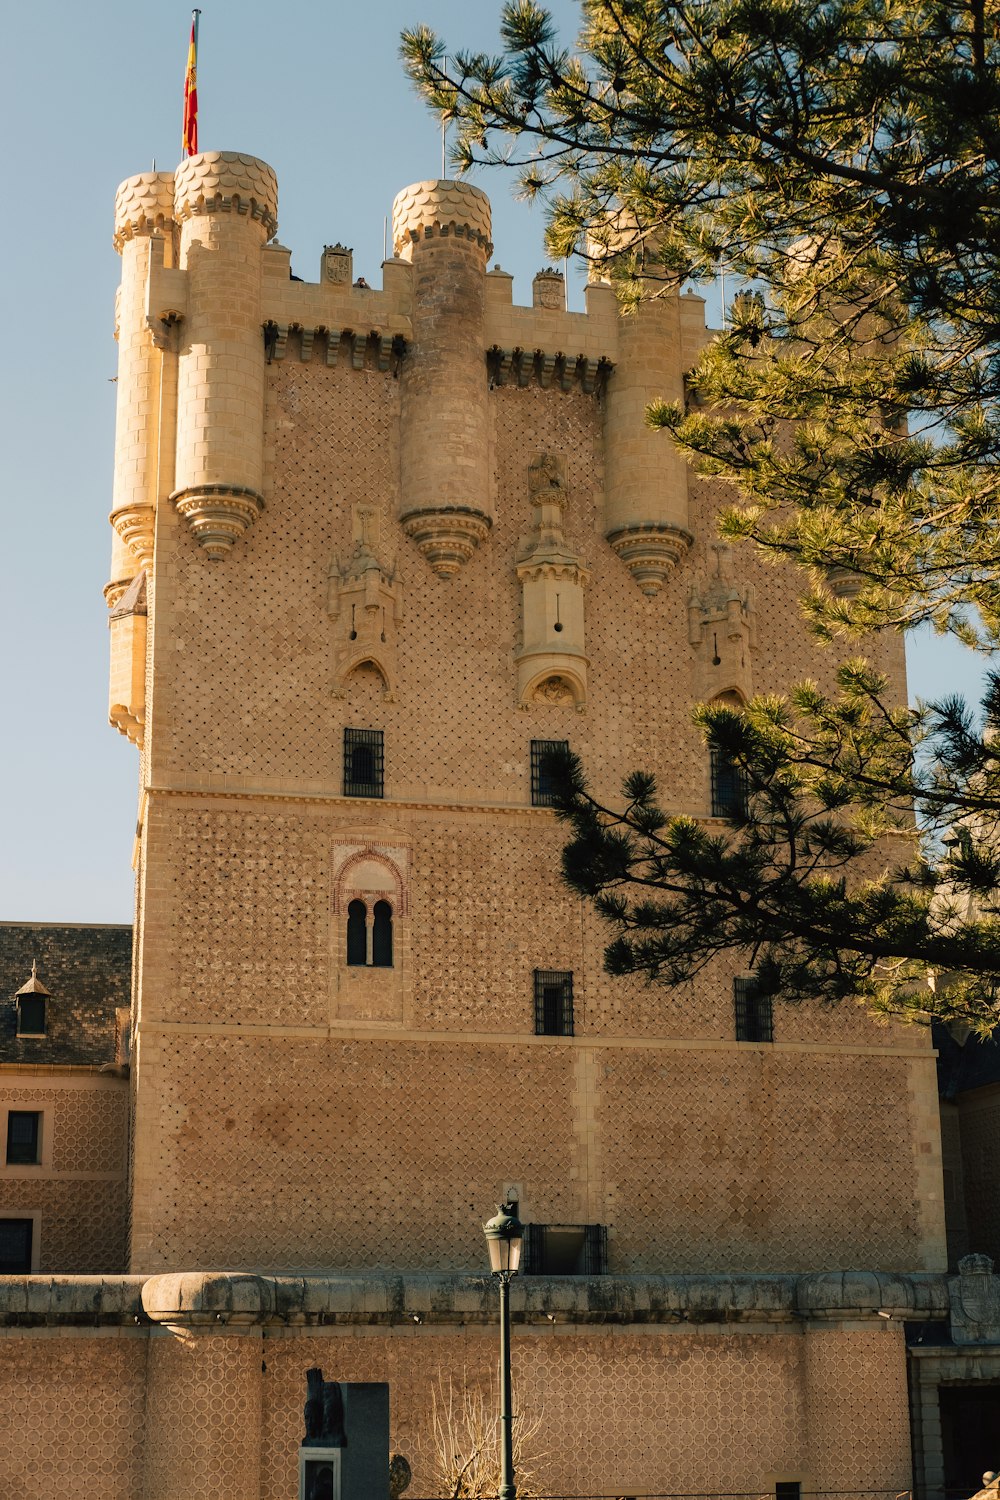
381	350
218	514
568	372
447	535
650	552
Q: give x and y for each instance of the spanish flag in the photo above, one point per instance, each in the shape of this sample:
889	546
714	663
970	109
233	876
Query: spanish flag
190	146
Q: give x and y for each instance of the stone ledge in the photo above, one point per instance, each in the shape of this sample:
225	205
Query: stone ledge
385	1297
208	1298
88	1301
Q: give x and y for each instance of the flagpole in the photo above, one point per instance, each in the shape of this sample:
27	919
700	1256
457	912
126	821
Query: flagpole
190	132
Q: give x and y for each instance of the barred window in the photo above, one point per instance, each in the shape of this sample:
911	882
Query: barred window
754	1013
565	1250
24	1136
363	763
541	781
15	1246
729	787
553	1002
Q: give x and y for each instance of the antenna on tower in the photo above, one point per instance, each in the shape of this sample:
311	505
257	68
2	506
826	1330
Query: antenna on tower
444	129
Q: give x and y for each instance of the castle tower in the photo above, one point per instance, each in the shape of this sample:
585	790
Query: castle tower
226	205
144	224
367	1008
647	515
443	230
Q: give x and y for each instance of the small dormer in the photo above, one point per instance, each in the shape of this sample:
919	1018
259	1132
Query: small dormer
32	1006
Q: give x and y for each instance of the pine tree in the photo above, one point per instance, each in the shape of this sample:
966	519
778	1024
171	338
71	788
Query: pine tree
841	161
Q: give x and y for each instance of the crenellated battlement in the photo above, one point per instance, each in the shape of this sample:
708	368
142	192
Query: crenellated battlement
208	302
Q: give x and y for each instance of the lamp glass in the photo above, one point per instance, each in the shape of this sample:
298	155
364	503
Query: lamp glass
504	1237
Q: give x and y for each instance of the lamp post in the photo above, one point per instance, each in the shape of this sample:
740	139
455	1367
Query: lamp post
504	1233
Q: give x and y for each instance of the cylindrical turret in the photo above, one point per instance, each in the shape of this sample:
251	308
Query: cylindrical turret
443	228
144	213
226	206
646	477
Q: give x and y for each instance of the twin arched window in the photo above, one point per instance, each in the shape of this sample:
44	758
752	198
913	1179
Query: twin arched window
369	937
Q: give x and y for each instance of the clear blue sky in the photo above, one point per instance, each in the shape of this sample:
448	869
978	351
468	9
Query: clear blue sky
92	94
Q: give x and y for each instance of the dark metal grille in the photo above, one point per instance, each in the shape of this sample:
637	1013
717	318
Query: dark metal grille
31	1015
565	1250
788	1489
553	1002
541	780
15	1246
729	787
363	763
754	1013
22	1137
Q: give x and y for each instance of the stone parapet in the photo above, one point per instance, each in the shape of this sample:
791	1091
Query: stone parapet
59	1301
387	1297
384	1298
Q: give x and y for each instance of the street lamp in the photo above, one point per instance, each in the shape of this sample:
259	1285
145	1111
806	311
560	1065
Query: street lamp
504	1234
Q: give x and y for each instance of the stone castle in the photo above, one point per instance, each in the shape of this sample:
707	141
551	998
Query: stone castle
375	550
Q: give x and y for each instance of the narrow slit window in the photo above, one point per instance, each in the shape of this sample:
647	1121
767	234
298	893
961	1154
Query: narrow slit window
357	937
553	1002
754	1011
363	763
382	936
729	787
24	1137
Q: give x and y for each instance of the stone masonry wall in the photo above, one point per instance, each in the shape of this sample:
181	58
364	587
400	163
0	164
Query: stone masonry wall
697	1159
76	1194
162	1414
260	1048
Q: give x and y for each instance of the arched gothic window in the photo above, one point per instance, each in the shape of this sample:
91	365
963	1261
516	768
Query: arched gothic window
369	936
382	936
357	933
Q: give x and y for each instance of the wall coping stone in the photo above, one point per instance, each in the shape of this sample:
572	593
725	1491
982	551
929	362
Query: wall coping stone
385	1297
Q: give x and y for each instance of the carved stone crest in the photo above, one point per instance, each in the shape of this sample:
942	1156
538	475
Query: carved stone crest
338	263
975	1302
549	289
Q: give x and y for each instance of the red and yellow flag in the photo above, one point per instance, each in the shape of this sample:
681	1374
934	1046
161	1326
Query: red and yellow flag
191	91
